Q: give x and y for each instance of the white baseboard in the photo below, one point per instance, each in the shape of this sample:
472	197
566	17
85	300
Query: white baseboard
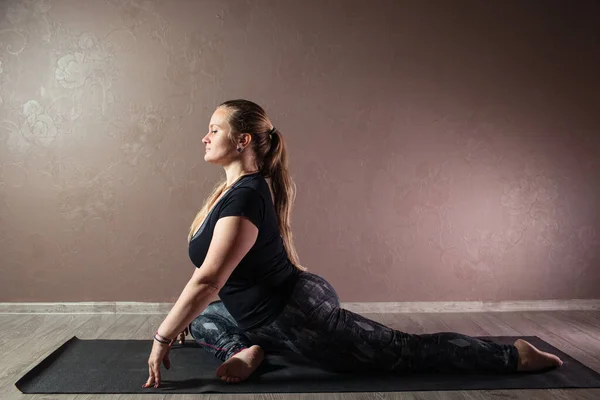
361	308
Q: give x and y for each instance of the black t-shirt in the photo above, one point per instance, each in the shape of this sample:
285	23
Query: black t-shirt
260	285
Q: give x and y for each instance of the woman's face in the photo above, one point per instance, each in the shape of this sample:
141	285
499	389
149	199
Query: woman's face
218	148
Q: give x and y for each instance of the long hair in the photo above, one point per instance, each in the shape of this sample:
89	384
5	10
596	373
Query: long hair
271	159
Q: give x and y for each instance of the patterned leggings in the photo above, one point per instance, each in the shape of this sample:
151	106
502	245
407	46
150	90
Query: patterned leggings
313	326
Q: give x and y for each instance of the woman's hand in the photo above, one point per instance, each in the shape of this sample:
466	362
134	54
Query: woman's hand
160	353
182	335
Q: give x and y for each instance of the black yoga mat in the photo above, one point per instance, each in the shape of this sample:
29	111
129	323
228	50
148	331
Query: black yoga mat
121	366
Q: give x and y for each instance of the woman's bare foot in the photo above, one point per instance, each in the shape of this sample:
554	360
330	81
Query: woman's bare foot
531	359
241	365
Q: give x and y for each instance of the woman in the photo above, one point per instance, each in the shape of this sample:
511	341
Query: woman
242	246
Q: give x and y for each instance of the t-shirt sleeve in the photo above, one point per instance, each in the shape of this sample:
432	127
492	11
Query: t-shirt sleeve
245	202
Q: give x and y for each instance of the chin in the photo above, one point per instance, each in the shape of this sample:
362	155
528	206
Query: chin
210	160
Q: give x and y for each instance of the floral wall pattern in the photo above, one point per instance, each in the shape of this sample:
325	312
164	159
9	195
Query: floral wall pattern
443	151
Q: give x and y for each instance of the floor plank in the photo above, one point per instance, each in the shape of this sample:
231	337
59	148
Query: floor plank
567	331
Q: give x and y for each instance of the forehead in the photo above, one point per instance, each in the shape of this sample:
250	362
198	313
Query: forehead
219	117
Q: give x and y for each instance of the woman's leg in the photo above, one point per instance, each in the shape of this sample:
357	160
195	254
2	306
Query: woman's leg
217	332
314	326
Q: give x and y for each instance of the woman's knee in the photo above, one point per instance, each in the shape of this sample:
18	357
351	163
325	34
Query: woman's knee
216	307
215	319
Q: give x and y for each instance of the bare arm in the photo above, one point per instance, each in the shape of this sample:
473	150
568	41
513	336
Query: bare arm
233	237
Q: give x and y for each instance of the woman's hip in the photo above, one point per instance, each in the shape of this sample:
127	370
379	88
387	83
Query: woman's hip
312	292
307	308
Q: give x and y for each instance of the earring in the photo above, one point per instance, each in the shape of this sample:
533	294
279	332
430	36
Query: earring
239	149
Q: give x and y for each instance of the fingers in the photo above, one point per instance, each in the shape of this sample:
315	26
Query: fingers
150	380
154	377
183	334
157	376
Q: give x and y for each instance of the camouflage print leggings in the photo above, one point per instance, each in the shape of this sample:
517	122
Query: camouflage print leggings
313	326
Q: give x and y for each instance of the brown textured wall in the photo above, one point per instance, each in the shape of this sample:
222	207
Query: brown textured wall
443	150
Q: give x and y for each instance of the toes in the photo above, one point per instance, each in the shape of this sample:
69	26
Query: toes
222	371
231	379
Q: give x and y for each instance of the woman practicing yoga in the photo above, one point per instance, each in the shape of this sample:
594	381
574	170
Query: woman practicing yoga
242	246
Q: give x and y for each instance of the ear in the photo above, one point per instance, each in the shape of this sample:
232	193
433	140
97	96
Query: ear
246	139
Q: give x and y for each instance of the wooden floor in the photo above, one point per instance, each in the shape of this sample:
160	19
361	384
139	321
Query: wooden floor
25	338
